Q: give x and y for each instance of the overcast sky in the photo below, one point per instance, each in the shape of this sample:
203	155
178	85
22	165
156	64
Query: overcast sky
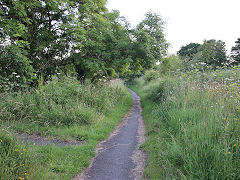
187	20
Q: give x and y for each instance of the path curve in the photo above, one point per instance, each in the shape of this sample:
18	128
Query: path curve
119	157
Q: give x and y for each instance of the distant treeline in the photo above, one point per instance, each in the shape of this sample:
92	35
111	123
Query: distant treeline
211	52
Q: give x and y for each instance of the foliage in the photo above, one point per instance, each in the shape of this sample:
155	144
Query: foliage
214	53
235	53
60	103
150	44
53	35
211	53
40	31
150	75
16	70
189	50
105	48
15	159
92	111
170	64
189	115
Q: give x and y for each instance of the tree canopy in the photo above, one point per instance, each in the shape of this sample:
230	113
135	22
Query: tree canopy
189	50
235	53
43	37
211	52
214	53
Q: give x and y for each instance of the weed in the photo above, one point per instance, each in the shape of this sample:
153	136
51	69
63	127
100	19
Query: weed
192	125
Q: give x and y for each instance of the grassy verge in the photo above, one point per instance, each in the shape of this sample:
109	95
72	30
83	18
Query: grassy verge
83	112
193	126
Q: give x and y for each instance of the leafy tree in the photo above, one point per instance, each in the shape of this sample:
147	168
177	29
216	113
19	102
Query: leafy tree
104	50
45	28
170	64
214	53
40	31
189	50
235	53
150	44
41	37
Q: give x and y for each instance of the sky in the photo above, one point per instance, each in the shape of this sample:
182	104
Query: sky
187	20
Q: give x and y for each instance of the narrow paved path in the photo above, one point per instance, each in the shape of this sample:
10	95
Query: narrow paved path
115	160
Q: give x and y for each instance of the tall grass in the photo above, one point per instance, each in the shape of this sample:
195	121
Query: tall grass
193	126
60	103
65	109
17	161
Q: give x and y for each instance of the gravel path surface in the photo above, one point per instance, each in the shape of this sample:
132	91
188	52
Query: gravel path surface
119	157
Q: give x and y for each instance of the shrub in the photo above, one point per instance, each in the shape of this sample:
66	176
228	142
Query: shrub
170	65
16	70
150	75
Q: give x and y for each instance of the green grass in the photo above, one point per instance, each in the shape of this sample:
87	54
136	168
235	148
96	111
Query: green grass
83	112
193	127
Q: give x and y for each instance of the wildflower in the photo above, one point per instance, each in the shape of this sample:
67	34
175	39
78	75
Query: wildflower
235	145
1	140
25	174
14	73
229	152
21	164
21	178
24	150
18	76
16	150
224	119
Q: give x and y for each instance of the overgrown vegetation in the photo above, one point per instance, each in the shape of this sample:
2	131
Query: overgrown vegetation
15	159
57	59
63	109
192	122
59	103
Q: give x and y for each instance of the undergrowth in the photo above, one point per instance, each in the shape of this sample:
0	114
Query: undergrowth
63	109
59	103
193	125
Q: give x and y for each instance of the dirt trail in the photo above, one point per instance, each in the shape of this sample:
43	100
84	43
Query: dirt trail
119	157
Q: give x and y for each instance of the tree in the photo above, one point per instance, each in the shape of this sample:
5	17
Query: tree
49	35
214	53
105	49
40	31
46	30
149	41
189	50
235	53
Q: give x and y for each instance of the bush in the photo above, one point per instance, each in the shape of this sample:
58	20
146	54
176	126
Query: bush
150	75
16	70
170	65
